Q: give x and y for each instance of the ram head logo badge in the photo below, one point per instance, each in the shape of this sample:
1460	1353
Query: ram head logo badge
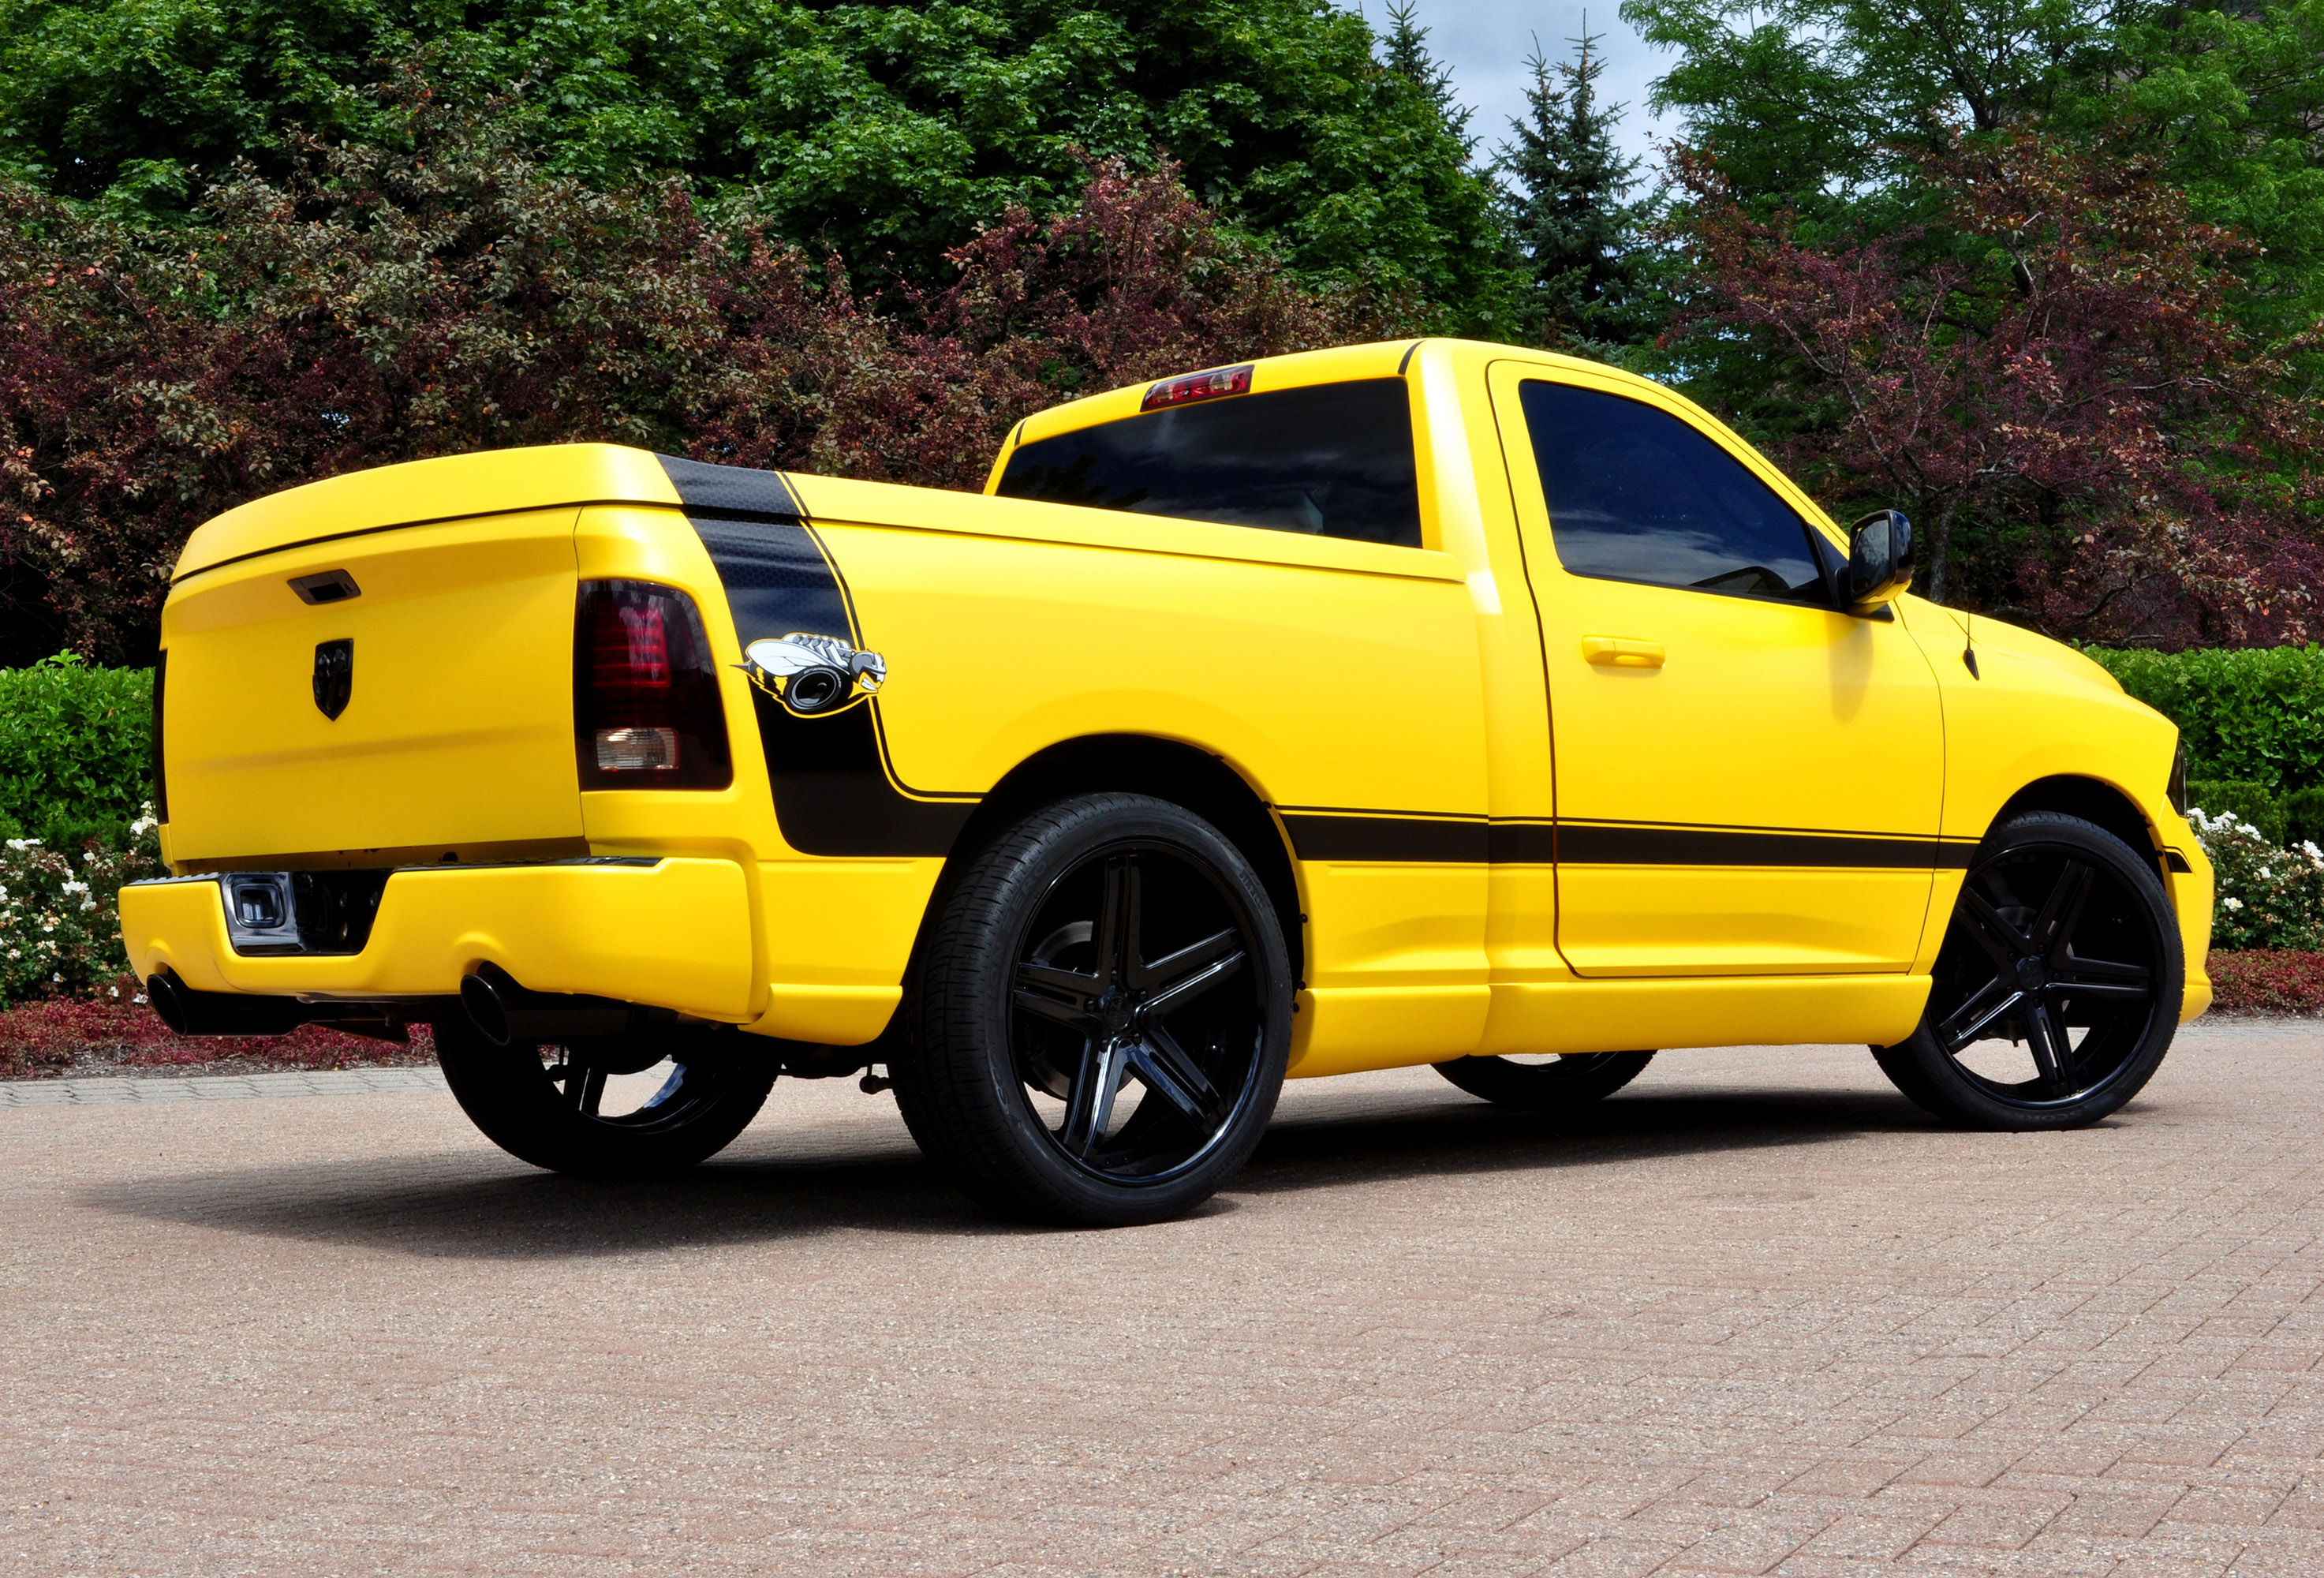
334	677
813	675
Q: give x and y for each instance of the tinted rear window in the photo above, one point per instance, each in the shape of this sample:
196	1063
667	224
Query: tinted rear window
1332	460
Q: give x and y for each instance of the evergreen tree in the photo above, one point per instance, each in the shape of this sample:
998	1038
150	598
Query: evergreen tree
1406	43
1568	192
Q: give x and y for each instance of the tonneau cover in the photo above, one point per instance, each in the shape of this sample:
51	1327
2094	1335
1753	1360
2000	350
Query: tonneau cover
490	483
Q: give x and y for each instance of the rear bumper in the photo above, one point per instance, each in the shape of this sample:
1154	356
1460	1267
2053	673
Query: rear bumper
676	935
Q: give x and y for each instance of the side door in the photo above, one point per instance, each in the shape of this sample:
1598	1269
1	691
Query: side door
1747	780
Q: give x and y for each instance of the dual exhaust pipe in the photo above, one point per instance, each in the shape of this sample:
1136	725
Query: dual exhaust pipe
501	1011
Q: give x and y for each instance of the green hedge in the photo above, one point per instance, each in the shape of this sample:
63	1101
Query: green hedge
2256	716
75	751
2250	801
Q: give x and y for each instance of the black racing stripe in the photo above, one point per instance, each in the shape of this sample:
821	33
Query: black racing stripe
777	581
1384	837
1600	844
736	492
832	793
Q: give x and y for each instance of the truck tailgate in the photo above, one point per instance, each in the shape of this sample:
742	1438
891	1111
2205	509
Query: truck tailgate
455	737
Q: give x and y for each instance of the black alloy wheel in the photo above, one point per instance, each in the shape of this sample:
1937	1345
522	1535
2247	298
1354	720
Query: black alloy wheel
1547	1081
655	1102
1103	1016
2057	991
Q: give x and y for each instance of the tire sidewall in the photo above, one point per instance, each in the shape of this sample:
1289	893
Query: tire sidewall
1920	1065
1021	867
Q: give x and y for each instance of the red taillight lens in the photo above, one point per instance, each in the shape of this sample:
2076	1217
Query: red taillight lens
646	713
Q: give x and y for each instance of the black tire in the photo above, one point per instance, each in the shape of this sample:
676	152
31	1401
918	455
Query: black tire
2059	926
1107	938
1572	1080
549	1112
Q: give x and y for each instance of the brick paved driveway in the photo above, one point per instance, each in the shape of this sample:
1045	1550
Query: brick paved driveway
1760	1316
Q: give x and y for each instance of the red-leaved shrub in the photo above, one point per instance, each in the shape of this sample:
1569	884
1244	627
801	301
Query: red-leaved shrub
384	304
55	1036
2267	981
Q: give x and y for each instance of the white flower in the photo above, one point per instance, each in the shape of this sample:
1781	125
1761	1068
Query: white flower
74	887
2231	902
20	845
139	998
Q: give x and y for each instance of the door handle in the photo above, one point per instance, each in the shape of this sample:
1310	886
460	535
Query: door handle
1610	651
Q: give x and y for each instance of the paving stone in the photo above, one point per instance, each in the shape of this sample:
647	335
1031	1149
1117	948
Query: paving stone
1756	1314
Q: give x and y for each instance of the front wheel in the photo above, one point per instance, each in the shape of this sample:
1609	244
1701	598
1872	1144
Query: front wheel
2058	988
1101	1016
618	1107
1547	1082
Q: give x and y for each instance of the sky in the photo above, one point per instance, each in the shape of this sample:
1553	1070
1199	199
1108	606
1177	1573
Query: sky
1485	43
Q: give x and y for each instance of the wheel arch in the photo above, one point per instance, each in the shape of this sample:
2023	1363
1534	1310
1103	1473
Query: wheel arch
2092	799
1169	770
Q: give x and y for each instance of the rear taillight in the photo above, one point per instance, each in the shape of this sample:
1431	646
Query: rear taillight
646	713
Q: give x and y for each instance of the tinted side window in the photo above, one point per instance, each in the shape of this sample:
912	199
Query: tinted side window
1332	460
1636	494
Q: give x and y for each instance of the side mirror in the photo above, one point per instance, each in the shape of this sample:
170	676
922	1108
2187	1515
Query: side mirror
1879	561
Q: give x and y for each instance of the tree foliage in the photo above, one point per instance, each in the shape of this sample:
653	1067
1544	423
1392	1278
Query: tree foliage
888	132
1821	108
1570	209
376	305
2048	378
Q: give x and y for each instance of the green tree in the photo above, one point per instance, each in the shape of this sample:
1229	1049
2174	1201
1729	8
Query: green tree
1583	237
890	131
1825	108
2229	101
1406	45
1809	104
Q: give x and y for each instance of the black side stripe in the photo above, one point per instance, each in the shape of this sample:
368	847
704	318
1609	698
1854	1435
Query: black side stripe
1392	836
1408	838
834	793
1589	843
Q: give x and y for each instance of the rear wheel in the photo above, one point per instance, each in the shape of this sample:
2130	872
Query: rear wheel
2057	991
617	1107
1547	1081
1102	1015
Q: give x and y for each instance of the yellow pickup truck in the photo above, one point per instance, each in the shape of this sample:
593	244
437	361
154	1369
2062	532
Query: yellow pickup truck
1428	702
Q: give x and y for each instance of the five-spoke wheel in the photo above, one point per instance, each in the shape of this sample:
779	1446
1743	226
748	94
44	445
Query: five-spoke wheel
1102	1015
2057	990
